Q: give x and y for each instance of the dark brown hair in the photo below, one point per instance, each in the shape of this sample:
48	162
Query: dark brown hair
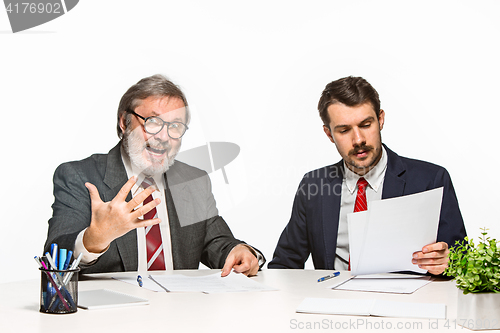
350	91
156	85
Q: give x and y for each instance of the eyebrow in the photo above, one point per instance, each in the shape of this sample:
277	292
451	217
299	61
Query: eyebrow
370	118
156	114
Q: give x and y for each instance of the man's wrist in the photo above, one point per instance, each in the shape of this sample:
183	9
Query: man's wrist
257	254
92	246
88	257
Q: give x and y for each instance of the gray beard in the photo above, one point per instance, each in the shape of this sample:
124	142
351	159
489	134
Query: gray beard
134	145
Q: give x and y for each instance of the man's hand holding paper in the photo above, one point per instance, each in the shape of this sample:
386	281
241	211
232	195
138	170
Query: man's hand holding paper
433	258
405	223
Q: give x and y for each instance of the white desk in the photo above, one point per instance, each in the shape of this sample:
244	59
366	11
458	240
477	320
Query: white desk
270	311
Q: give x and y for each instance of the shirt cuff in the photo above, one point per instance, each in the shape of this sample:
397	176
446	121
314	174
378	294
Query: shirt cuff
88	258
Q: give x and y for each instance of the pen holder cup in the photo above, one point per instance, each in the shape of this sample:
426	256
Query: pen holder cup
59	291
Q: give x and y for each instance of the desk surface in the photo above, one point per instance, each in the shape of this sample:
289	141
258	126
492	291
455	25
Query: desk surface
270	311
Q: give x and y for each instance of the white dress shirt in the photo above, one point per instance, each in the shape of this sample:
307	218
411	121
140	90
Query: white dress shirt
375	178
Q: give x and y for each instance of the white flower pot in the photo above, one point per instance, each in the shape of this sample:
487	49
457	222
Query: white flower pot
478	311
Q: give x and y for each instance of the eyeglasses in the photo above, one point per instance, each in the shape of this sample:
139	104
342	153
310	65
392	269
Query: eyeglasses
154	125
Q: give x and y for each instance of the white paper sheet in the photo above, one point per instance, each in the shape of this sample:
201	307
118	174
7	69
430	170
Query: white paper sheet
212	283
365	307
385	285
105	298
384	238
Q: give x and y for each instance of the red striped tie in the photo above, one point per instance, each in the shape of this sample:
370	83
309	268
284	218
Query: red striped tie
154	246
360	204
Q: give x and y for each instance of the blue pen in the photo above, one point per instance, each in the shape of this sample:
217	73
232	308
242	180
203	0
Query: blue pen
139	280
62	258
68	259
328	277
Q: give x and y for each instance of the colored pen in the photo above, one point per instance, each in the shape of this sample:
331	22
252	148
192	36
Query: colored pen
74	265
62	258
52	265
38	261
139	280
53	253
68	259
51	262
328	277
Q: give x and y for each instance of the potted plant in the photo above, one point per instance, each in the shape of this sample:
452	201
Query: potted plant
476	269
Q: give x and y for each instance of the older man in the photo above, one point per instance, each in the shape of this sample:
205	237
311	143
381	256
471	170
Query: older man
136	208
353	121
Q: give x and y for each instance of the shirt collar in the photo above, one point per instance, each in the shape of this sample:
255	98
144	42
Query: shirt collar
374	177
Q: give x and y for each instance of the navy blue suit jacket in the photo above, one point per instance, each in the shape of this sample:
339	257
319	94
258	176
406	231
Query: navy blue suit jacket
313	226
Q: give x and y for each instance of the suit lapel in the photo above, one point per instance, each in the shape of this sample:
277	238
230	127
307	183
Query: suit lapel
115	177
331	212
394	182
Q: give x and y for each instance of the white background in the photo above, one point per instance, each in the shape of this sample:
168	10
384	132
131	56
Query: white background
253	73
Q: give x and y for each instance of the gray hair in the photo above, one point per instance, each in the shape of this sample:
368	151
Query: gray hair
156	85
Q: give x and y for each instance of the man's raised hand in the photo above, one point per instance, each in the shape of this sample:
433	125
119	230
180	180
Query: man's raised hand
115	218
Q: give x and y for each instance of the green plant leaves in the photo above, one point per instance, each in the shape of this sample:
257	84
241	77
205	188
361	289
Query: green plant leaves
475	268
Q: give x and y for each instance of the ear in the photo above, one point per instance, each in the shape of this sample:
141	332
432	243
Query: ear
123	122
328	133
381	119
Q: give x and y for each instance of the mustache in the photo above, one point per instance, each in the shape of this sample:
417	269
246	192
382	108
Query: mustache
157	144
359	148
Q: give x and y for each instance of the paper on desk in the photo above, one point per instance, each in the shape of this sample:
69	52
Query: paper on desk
405	285
212	283
367	307
384	238
390	276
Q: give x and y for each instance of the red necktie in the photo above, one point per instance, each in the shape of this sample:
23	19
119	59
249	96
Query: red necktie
154	246
360	204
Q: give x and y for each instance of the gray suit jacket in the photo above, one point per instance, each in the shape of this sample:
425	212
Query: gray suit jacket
198	233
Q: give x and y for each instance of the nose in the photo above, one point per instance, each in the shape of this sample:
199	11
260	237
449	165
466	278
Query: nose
163	134
358	137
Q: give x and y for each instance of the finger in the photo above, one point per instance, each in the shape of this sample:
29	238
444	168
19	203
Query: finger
228	265
434	254
95	198
145	223
122	194
139	198
253	271
249	269
434	269
244	267
431	261
435	247
143	210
